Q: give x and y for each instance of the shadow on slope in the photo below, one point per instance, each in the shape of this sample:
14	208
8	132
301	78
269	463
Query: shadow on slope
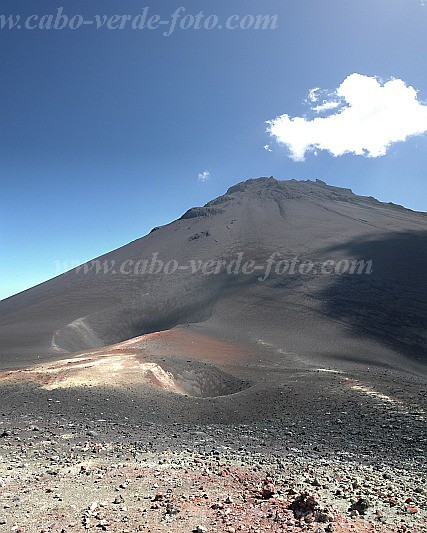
390	304
191	302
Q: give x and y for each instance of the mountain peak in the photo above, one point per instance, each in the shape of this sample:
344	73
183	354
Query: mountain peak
270	187
280	191
298	187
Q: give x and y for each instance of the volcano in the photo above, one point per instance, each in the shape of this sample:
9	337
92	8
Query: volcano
278	332
248	266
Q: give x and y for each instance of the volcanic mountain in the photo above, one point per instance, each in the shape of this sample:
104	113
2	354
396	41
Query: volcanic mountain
275	338
332	277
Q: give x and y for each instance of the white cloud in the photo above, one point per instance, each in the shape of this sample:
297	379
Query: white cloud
369	117
204	176
267	148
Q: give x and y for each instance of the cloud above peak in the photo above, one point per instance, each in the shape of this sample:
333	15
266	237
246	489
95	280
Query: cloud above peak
363	116
204	176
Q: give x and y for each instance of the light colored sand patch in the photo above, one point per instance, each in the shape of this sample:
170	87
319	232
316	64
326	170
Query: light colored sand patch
113	371
413	410
100	370
54	346
82	366
375	394
292	356
264	343
75	336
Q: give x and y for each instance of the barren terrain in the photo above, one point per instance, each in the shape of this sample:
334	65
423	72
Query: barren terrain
195	402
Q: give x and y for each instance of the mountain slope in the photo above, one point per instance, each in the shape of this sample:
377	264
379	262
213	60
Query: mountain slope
378	317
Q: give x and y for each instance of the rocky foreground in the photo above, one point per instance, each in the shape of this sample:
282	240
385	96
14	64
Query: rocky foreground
59	474
131	438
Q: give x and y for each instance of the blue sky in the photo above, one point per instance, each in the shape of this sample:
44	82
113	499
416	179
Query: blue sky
104	132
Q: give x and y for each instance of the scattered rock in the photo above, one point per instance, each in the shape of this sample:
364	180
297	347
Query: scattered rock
303	505
268	489
361	506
